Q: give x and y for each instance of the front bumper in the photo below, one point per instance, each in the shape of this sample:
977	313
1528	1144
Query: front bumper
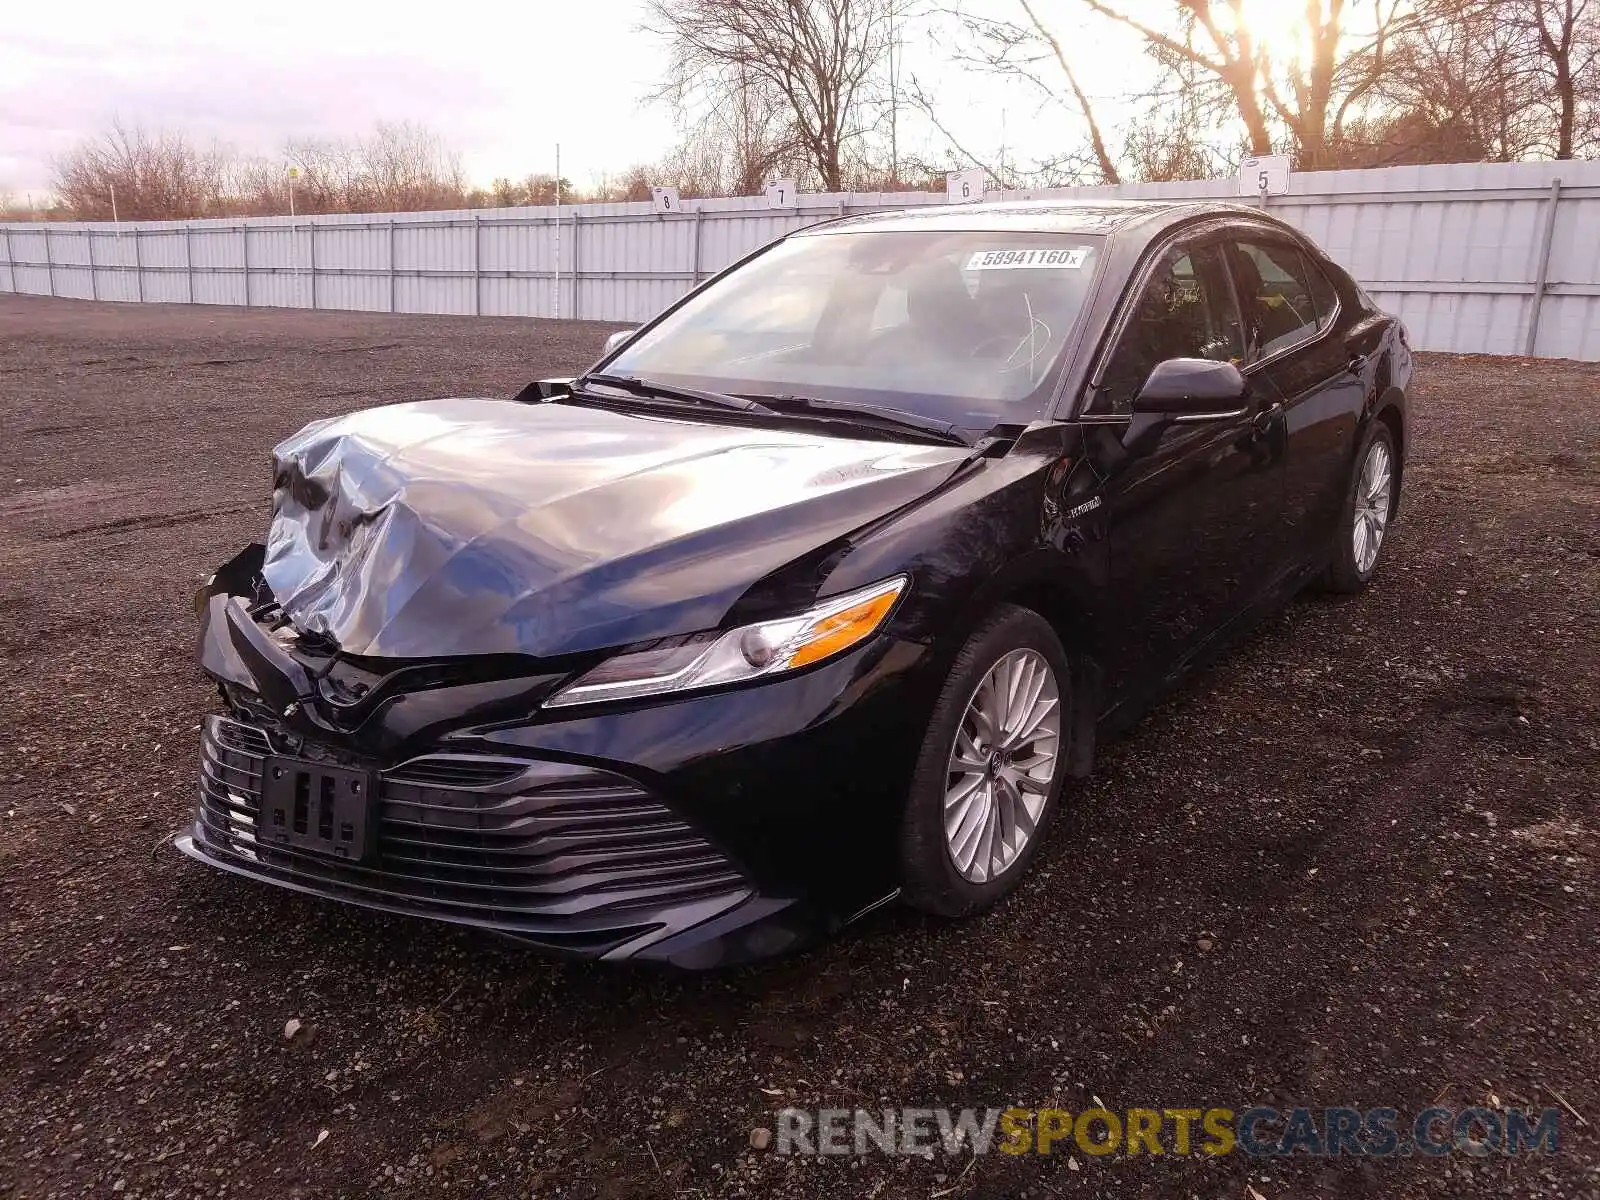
572	860
701	831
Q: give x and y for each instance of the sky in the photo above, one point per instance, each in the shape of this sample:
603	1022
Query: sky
501	84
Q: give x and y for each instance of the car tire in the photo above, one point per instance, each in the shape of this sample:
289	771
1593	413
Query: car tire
1010	642
1353	563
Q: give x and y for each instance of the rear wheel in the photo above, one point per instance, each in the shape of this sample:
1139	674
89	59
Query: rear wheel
1368	508
989	775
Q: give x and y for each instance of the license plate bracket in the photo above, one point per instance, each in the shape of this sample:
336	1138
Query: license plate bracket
320	807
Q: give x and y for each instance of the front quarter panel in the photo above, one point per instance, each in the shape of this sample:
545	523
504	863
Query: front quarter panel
1020	524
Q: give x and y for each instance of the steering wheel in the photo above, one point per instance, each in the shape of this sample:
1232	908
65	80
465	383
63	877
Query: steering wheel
997	341
1013	347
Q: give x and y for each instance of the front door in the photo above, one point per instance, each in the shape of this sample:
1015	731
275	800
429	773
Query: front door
1195	524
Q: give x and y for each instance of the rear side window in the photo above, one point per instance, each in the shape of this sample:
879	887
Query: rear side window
1323	293
1275	291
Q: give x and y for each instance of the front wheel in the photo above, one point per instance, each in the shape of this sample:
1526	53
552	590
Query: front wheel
989	775
1368	510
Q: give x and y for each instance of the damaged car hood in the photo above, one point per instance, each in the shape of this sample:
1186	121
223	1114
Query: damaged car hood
475	526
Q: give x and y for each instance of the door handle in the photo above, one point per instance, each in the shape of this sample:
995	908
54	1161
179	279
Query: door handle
1357	364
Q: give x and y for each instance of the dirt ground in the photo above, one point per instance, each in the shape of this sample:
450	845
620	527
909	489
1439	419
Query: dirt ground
1352	864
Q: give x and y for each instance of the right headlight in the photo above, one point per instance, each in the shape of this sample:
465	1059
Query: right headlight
749	652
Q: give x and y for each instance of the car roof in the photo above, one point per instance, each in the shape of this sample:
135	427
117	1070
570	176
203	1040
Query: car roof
1020	216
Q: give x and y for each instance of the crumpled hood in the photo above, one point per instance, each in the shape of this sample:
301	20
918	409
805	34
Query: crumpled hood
454	527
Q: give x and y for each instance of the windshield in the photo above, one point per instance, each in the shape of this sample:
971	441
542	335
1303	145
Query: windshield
964	327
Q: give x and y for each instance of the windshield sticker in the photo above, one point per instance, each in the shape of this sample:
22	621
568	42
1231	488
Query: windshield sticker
1011	260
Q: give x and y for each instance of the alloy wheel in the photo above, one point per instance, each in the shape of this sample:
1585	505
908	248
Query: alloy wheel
1372	506
1002	765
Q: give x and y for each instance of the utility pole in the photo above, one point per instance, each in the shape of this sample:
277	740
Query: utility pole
894	107
1003	176
557	287
113	188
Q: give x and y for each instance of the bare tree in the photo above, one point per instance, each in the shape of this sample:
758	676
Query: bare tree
1108	169
1312	97
819	59
759	134
329	175
536	189
139	175
398	168
1170	143
1023	45
1316	98
696	166
632	185
259	187
406	168
1462	73
503	193
1227	54
960	154
1412	136
1566	37
1519	78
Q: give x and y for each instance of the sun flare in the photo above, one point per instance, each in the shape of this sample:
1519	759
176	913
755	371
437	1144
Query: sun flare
1277	26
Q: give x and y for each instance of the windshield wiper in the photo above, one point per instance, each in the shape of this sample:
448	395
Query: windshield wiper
868	415
871	415
668	391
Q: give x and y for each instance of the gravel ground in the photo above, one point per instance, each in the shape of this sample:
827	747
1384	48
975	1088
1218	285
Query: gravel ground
1352	864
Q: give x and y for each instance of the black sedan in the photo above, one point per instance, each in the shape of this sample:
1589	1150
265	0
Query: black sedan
813	593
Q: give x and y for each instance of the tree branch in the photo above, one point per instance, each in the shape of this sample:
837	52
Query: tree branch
1107	167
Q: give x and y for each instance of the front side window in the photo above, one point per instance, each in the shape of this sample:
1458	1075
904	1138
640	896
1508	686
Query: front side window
1185	311
1275	292
967	327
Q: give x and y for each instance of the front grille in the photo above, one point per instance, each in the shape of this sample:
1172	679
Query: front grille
244	738
558	851
457	770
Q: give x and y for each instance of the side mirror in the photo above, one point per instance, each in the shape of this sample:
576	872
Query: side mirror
618	340
541	390
1192	388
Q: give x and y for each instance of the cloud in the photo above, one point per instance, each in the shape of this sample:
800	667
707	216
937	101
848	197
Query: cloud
502	88
500	83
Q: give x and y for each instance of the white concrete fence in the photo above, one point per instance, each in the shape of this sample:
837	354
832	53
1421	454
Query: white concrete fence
1490	258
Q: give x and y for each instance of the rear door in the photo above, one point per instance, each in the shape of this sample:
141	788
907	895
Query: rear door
1293	345
1195	524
